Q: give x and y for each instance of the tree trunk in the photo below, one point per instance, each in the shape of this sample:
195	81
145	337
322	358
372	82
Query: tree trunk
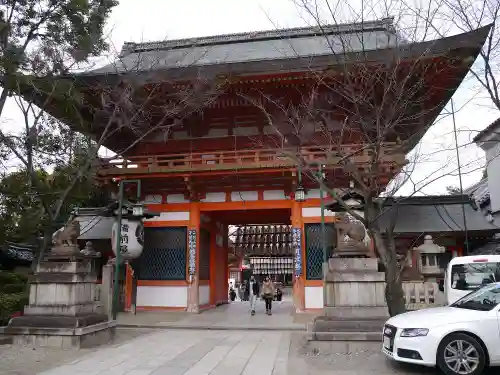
394	294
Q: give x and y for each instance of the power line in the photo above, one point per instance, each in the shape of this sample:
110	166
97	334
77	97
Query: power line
460	176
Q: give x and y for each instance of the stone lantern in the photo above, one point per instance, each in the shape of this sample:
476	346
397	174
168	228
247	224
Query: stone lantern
428	256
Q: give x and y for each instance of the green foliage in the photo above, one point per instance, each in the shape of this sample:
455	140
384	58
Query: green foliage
453	190
40	39
23	216
46	37
11	282
13	294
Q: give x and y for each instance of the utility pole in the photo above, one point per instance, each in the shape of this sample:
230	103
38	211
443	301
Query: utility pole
460	177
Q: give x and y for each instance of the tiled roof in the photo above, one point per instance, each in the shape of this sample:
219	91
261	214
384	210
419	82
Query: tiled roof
489	129
95	227
479	192
491	248
255	46
432	218
290	33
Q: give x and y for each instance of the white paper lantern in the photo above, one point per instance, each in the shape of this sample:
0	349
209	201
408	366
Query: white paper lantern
132	238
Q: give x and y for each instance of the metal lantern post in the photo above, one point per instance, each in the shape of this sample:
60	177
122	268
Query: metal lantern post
322	204
300	194
116	289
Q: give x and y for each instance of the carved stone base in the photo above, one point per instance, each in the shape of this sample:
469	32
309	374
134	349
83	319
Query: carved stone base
56	321
64	338
64	251
354	303
62	311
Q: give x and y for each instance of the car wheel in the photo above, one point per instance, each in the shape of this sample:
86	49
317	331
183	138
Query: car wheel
461	354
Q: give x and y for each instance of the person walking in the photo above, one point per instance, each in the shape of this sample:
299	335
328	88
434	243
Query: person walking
245	290
268	294
252	291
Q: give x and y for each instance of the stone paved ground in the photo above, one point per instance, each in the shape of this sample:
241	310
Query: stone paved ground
16	360
231	316
193	352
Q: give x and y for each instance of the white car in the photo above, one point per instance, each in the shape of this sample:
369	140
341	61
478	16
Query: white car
460	339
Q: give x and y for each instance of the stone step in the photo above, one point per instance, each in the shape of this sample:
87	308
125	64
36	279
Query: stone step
5	340
347	336
347	325
356	312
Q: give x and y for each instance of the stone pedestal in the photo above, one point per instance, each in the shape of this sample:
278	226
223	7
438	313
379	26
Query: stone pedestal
354	300
62	311
354	288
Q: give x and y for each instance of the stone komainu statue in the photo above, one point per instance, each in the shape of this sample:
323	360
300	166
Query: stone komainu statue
352	239
68	235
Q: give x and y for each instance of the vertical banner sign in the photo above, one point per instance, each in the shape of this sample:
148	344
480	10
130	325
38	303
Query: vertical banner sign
124	238
297	245
192	251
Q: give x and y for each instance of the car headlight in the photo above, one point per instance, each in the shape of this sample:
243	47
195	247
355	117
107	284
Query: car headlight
414	332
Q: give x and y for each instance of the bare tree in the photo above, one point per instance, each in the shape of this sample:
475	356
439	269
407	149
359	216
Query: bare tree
117	110
469	15
367	111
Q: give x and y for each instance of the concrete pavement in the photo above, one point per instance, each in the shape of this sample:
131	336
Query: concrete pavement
177	352
191	352
234	316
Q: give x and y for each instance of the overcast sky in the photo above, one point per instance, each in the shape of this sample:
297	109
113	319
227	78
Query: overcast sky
148	20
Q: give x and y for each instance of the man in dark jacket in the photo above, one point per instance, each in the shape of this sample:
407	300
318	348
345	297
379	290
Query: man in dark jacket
253	291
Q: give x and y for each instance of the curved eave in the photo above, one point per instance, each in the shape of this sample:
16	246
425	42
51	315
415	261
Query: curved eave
80	118
469	43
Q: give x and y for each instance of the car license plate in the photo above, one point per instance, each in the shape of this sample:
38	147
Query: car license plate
387	342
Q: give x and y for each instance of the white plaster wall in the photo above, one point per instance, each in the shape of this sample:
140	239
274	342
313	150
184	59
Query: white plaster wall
164	296
152	199
493	168
242	196
176	198
171	216
204	291
313	193
315	212
214	197
314	297
274	195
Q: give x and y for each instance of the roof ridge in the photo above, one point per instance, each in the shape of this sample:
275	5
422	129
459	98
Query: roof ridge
489	129
475	186
133	47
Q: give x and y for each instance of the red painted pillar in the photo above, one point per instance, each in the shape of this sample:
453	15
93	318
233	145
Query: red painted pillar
213	262
225	234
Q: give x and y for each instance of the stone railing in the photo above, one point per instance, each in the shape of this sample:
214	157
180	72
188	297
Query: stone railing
420	295
97	297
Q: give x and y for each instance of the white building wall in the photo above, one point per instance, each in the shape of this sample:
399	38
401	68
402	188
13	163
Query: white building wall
214	197
313	297
162	296
493	168
270	195
315	212
176	198
242	196
171	216
204	292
